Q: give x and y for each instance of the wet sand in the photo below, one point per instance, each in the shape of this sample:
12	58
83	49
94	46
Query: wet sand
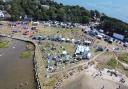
16	73
85	81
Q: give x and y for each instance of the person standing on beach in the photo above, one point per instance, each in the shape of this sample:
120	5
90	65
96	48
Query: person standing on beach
102	87
118	87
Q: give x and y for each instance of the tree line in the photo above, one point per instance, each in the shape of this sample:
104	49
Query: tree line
112	25
47	10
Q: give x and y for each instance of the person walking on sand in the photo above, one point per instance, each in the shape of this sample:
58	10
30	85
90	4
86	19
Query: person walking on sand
102	87
118	87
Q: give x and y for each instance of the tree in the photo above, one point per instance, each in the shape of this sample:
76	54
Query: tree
16	10
85	19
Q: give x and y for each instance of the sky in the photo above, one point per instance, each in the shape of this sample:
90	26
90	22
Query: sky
113	8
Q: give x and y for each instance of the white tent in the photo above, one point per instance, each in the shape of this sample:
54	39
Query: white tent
64	52
81	49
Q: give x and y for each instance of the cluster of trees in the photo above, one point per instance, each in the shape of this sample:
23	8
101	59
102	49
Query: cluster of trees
48	10
112	25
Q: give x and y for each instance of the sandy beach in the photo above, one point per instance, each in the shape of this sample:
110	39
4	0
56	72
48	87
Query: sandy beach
85	81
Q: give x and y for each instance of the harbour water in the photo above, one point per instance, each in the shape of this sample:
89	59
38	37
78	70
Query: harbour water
16	73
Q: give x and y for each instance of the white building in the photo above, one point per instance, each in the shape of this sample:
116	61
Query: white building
118	36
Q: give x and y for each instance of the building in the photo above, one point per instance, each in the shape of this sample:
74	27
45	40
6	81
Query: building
118	36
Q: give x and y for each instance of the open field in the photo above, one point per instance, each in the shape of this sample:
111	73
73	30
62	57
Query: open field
4	44
46	45
67	33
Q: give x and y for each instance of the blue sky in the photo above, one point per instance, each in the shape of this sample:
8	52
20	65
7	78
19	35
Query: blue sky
114	8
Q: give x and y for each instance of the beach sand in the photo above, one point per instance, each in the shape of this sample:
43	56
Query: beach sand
85	81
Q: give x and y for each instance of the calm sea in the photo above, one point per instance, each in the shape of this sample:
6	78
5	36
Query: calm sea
114	8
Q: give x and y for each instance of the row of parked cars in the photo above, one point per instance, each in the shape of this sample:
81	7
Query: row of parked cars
59	38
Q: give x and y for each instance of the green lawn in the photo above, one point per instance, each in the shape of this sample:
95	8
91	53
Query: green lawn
26	54
67	33
4	44
111	64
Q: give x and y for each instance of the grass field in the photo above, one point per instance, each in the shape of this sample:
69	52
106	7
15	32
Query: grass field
67	33
70	48
112	64
4	44
26	54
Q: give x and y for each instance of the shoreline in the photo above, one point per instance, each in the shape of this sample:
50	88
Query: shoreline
36	61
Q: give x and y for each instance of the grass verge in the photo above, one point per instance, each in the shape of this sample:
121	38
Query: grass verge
26	54
4	44
112	64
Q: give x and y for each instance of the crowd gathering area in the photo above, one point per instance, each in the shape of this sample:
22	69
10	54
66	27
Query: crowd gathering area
75	48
